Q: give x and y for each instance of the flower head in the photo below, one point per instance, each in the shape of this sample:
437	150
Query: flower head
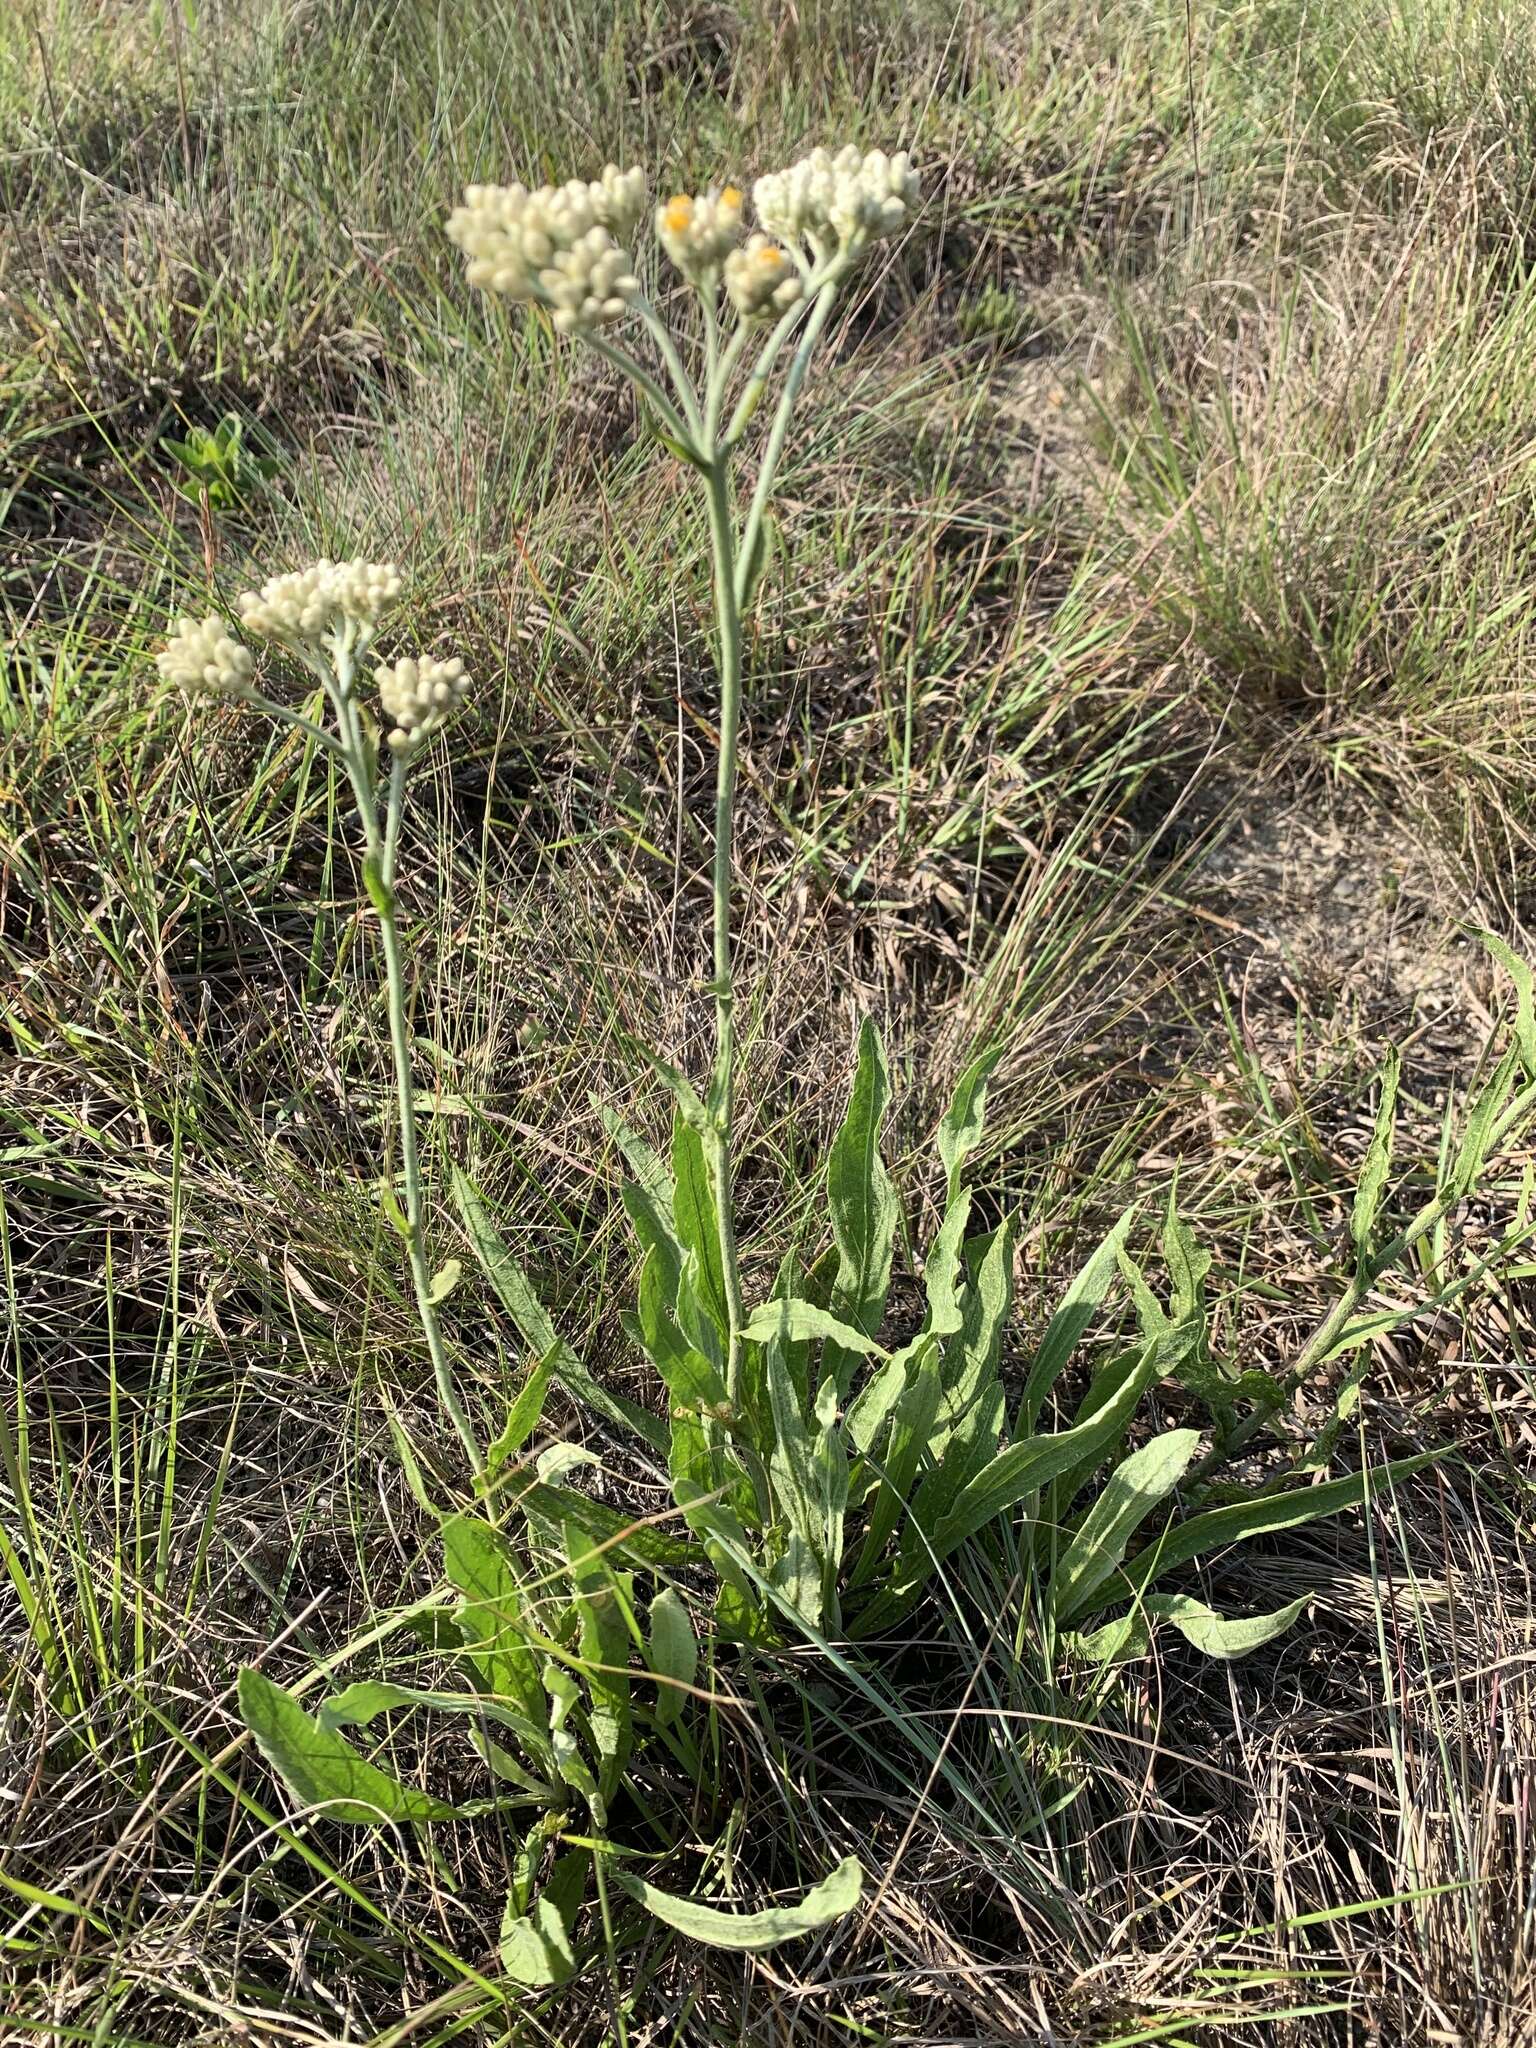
589	284
617	199
838	202
533	244
418	697
309	603
699	233
204	657
761	279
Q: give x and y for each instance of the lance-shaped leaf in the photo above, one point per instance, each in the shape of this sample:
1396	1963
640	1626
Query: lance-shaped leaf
696	1220
320	1767
1519	973
863	1207
961	1127
1213	1634
1377	1164
674	1654
1138	1484
1266	1515
1075	1311
831	1900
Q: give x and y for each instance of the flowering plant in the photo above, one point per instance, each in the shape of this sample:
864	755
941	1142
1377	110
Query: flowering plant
823	1470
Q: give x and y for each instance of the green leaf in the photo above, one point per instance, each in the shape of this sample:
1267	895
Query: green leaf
602	1599
749	1933
790	1319
1525	996
1215	1636
521	1303
798	1489
321	1768
674	1654
642	1158
523	1417
620	1533
1075	1311
961	1127
696	1220
1477	1134
1377	1164
537	1949
1265	1515
491	1620
911	1434
1021	1469
1136	1486
863	1206
444	1280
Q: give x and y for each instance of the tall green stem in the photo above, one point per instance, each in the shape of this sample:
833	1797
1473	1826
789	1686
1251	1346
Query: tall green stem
723	1088
379	875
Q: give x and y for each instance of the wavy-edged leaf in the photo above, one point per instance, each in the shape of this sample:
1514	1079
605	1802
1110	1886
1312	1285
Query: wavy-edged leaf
320	1767
1137	1485
750	1933
1519	973
1213	1634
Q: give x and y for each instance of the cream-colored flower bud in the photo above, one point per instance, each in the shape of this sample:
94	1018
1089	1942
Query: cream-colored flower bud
307	604
590	284
761	279
203	656
842	201
418	697
699	233
618	200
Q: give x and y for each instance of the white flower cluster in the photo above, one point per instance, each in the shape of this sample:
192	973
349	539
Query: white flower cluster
202	655
556	243
699	233
418	697
838	201
309	603
590	284
761	279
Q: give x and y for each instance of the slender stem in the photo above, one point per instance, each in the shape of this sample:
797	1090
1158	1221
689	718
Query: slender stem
723	1087
379	869
682	383
762	369
680	430
752	531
